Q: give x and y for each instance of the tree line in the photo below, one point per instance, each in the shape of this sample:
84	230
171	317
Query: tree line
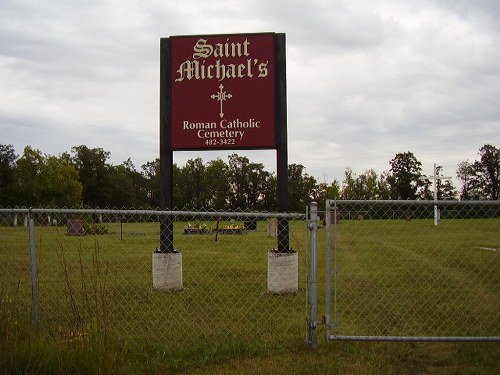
85	178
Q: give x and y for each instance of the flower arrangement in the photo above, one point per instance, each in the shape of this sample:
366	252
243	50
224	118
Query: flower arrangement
233	226
233	229
196	229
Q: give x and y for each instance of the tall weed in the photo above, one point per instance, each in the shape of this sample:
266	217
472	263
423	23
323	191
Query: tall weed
82	345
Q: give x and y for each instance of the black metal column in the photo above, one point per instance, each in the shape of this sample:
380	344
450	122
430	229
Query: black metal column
166	153
281	141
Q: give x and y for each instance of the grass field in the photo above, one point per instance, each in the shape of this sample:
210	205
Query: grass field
99	313
415	279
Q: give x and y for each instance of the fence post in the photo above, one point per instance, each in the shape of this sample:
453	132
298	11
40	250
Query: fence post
34	274
328	266
313	282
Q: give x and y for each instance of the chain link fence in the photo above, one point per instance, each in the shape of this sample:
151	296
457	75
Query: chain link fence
390	270
411	270
92	270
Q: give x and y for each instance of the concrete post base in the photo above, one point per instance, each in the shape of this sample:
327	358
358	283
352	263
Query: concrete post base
282	272
167	271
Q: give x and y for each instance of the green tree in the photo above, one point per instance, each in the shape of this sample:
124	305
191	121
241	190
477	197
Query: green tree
195	192
302	188
257	183
448	191
481	179
248	182
136	183
178	188
269	194
404	176
217	180
324	191
238	170
426	191
349	189
7	176
367	185
444	188
465	173
93	173
488	170
61	185
151	175
47	180
119	188
29	171
383	188
332	191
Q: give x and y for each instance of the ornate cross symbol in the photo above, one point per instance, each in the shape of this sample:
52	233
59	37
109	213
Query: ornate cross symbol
221	96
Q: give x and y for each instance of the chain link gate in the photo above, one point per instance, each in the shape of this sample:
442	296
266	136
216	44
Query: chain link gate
391	272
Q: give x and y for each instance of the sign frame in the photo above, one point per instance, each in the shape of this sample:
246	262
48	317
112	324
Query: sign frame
167	146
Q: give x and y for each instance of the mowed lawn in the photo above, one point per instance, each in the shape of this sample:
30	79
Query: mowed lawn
411	278
392	278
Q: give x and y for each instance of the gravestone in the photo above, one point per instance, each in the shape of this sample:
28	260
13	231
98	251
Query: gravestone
251	225
335	218
75	228
272	227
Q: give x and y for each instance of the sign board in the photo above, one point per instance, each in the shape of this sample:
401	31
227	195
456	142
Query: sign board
223	92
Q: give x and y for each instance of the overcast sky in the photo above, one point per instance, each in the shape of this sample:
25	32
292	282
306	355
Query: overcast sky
366	79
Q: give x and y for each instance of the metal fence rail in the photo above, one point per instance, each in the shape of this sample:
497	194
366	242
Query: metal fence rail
77	272
392	274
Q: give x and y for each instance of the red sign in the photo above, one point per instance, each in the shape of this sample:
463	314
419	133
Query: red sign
223	92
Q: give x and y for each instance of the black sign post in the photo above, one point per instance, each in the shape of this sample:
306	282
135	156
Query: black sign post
166	153
281	142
